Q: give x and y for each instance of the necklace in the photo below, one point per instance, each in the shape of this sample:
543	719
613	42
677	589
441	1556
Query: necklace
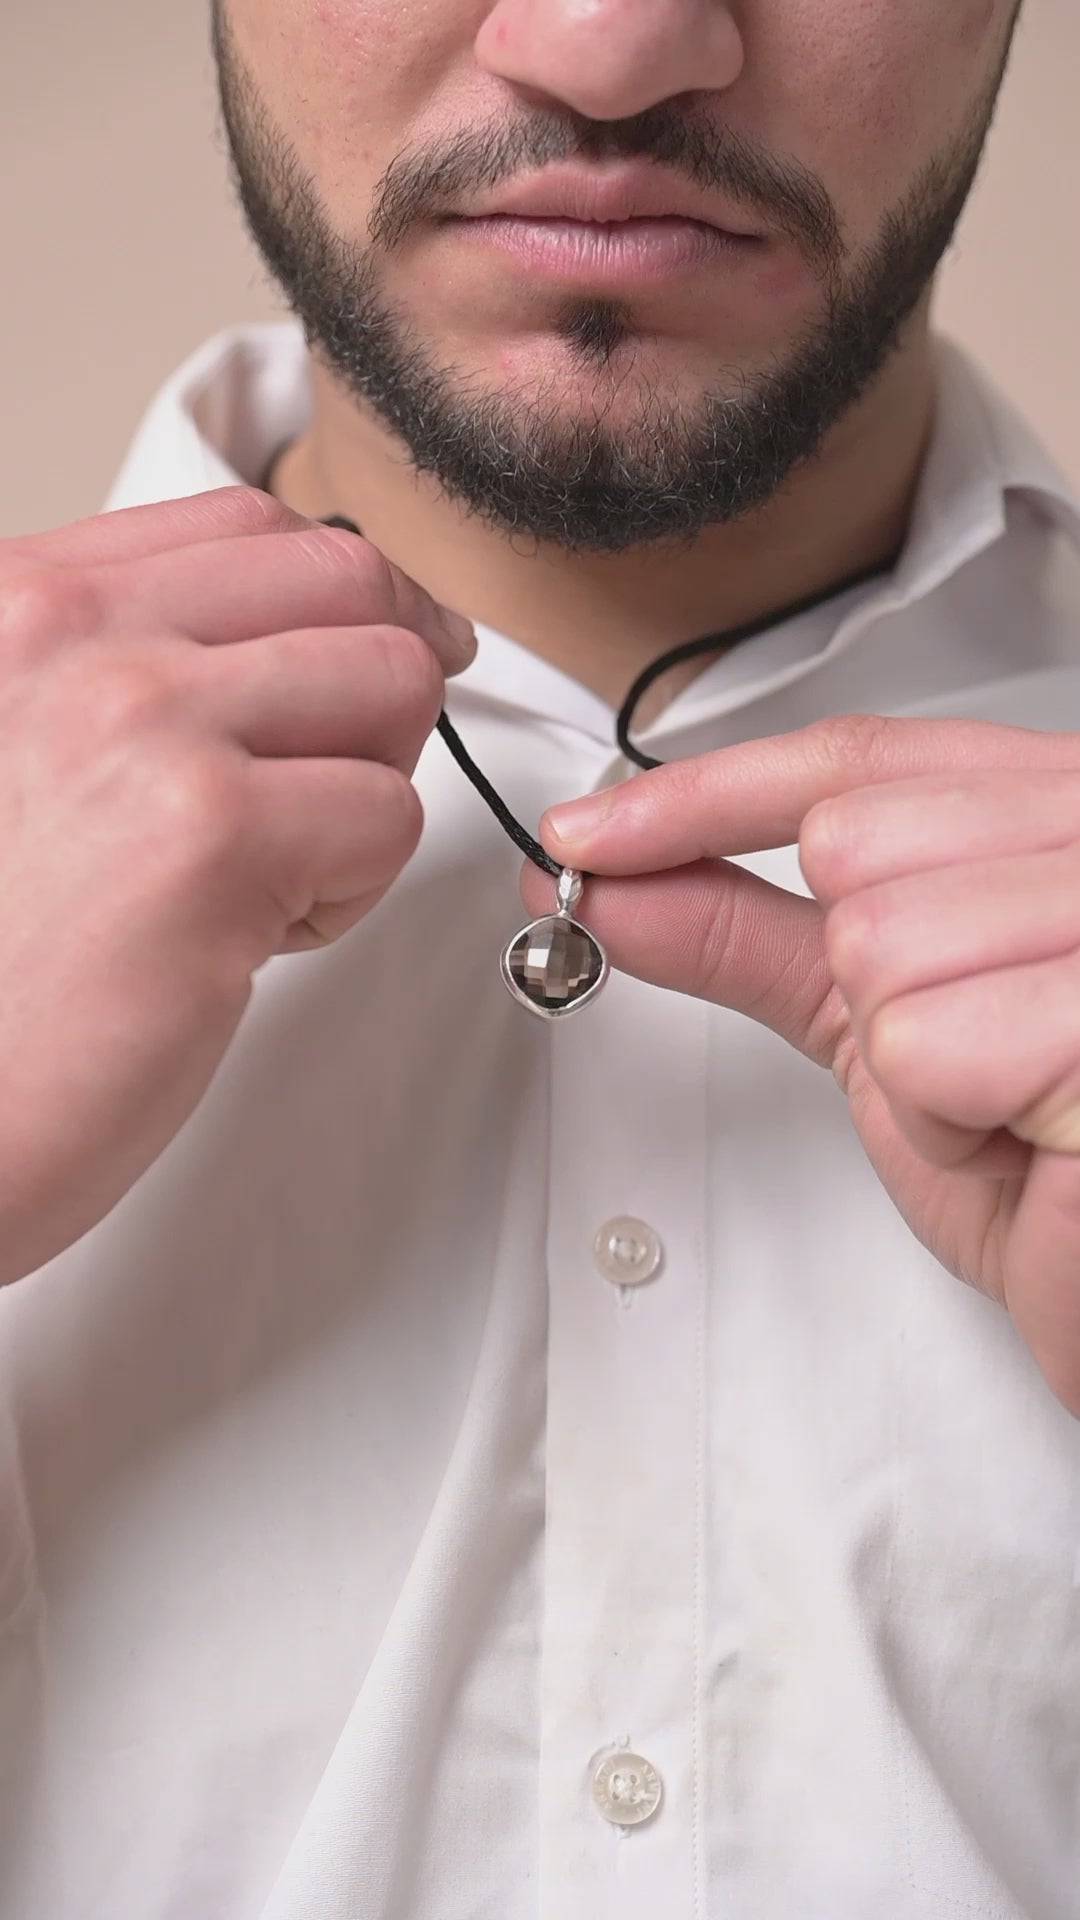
555	965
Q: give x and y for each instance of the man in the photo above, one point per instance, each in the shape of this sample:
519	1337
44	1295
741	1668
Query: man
456	1464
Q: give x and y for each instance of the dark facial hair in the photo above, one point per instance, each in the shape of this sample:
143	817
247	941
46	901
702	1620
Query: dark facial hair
521	461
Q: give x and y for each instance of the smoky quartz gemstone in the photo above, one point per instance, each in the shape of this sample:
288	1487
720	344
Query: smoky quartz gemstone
554	964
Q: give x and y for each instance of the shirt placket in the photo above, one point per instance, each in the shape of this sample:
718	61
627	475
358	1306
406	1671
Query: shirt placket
621	1785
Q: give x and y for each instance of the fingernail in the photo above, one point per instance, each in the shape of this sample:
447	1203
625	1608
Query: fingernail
575	820
461	631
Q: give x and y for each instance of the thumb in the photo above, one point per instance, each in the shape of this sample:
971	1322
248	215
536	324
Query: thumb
713	930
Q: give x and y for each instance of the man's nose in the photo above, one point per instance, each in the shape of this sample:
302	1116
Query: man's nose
609	59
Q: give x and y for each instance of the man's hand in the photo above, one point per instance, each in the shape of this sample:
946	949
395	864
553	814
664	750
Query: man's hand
210	712
936	971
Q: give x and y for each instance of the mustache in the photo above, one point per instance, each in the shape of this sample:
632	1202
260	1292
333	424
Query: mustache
421	184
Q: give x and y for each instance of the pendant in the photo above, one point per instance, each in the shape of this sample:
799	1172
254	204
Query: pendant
553	966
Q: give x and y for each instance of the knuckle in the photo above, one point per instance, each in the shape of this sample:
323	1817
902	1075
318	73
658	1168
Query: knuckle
45	606
251	510
126	697
371	567
831	1042
854	938
857	746
412	670
197	802
711	932
690	782
680	789
825	847
335	550
893	1053
401	811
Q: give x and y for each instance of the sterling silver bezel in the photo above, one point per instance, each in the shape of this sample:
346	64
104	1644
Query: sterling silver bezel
572	1006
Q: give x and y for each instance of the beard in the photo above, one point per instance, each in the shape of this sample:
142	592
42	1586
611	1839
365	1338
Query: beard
521	459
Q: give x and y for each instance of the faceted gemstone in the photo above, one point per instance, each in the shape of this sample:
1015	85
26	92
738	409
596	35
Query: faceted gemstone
554	962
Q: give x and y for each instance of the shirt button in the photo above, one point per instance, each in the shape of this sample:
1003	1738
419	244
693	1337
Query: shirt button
627	1251
627	1789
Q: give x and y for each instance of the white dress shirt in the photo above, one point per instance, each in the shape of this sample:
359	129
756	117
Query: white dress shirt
364	1491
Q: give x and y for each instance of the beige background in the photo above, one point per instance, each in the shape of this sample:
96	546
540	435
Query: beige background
121	248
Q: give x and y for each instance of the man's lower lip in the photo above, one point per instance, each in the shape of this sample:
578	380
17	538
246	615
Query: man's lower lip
626	251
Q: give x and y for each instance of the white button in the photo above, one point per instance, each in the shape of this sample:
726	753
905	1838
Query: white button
626	1789
627	1251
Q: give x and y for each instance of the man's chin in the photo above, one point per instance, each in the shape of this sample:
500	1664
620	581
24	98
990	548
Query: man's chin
633	383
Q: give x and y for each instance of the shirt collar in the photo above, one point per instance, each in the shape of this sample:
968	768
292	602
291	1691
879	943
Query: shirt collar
218	420
225	412
981	451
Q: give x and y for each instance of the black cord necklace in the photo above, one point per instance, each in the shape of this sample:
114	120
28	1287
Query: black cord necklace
555	965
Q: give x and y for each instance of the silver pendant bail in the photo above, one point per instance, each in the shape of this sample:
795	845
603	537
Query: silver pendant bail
569	889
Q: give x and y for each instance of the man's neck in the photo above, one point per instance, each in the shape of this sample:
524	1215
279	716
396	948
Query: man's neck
603	618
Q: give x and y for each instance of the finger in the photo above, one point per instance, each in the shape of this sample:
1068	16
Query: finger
909	826
744	798
226	591
1041	1270
999	1049
325	924
331	833
930	928
722	934
994	1155
371	692
132	533
725	935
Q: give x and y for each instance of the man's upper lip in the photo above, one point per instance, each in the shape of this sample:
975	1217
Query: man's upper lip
634	190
